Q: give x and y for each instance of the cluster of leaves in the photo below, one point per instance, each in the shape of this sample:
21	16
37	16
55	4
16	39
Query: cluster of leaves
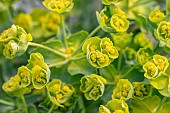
117	70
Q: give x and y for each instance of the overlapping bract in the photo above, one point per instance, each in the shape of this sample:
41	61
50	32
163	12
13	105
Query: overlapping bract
109	2
35	75
163	32
92	86
60	6
123	91
60	93
100	52
157	71
156	16
15	40
114	106
113	19
141	90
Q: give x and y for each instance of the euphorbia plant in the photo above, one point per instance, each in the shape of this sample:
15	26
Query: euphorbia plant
124	68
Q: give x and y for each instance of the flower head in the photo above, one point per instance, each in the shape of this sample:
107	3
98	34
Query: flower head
60	6
156	16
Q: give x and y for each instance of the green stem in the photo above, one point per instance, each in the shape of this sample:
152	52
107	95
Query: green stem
160	105
81	105
24	104
167	10
47	48
7	102
130	70
109	83
90	35
78	58
51	109
63	31
119	62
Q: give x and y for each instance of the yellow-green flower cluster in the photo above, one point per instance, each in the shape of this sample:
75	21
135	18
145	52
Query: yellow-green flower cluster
163	32
26	24
60	93
141	41
113	19
114	106
141	90
157	71
156	16
123	91
100	52
144	55
33	75
92	86
15	40
60	6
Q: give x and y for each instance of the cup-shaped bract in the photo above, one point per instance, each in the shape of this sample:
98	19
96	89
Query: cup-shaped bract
100	52
163	31
60	6
91	44
36	59
13	87
108	48
92	86
103	109
117	106
144	55
60	93
98	59
151	70
109	2
15	40
141	90
161	62
112	20
124	90
119	23
11	49
156	16
40	76
25	76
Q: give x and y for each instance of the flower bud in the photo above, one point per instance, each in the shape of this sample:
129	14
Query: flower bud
156	16
92	86
25	76
15	40
59	6
103	109
151	71
123	90
60	93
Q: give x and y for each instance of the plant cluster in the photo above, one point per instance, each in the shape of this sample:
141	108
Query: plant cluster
124	68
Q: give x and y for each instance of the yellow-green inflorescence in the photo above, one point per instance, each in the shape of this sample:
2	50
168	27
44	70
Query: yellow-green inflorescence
156	16
15	40
114	106
123	90
157	71
30	76
113	19
92	86
60	93
100	52
60	6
